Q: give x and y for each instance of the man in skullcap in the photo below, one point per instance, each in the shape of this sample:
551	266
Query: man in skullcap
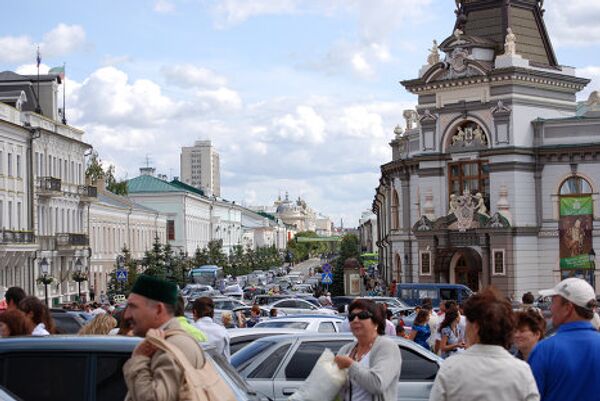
151	374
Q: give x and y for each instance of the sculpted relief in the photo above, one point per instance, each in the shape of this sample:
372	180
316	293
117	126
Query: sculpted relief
468	135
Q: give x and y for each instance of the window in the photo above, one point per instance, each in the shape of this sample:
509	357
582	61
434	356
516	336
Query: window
58	376
395	211
575	186
171	230
306	356
9	161
19	215
288	325
425	263
472	176
110	384
1	214
416	367
10	216
286	304
326	327
244	358
448	294
498	261
18	165
268	367
1	163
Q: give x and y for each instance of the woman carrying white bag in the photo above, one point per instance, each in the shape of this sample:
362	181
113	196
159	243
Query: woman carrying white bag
365	370
373	360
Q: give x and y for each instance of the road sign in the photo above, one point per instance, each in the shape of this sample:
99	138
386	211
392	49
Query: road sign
326	278
326	268
121	275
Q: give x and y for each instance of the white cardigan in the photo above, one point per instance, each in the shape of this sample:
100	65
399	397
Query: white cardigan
484	372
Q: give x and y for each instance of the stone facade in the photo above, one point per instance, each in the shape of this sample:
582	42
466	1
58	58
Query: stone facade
472	192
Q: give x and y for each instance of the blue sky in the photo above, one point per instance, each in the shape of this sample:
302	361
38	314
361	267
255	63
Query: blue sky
297	95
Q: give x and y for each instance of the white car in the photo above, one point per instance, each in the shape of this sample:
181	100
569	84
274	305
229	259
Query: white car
315	324
294	306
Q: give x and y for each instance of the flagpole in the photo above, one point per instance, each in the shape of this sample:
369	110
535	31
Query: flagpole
38	108
64	119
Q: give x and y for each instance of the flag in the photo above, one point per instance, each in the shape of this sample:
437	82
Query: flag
38	57
60	71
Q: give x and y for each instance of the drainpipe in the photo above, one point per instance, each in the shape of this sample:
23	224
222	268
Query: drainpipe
35	133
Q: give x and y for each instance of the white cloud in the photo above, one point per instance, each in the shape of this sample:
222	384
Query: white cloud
110	60
61	40
16	49
222	98
164	7
304	125
232	12
573	22
188	75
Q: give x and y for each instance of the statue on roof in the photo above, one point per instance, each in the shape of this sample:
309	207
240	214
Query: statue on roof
434	55
510	43
458	33
593	99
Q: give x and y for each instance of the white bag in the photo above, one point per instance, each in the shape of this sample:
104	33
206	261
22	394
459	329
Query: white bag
324	382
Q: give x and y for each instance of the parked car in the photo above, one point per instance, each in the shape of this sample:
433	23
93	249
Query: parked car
222	304
297	305
394	304
67	322
314	323
193	291
83	368
277	366
239	338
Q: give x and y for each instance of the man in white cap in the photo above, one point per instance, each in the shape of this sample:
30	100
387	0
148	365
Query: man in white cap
566	366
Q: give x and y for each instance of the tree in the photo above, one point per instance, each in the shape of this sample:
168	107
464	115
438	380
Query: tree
303	250
96	171
349	248
154	260
114	186
118	287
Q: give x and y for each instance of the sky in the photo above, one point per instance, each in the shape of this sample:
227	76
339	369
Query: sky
296	95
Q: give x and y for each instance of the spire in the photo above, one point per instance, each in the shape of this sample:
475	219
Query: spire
490	19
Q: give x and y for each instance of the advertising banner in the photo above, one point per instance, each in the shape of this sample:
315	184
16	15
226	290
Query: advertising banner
575	232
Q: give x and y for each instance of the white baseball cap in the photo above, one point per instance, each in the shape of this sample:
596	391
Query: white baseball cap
575	290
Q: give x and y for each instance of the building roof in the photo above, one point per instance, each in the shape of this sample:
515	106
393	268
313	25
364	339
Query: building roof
148	184
121	201
187	187
489	19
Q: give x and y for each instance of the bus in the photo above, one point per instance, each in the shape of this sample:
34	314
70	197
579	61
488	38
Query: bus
207	274
413	294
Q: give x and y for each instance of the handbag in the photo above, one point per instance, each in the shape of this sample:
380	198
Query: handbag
199	384
324	382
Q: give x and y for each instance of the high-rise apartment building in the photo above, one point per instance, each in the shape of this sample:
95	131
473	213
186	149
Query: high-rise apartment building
200	167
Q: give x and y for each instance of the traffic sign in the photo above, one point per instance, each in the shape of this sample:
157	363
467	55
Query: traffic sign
326	268
326	278
121	275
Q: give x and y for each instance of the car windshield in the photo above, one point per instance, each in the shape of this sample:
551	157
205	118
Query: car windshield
230	372
246	355
289	325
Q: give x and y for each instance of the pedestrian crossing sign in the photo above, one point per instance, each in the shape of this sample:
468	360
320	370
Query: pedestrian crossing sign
121	275
326	278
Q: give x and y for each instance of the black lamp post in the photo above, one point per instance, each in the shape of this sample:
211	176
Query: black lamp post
78	277
44	268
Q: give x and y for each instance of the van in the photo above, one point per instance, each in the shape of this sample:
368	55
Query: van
413	294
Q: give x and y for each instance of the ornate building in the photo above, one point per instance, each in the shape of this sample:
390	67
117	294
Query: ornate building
482	176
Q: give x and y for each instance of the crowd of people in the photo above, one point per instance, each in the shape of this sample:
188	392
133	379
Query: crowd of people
507	348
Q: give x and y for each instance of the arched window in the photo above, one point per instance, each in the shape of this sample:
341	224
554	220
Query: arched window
395	210
575	186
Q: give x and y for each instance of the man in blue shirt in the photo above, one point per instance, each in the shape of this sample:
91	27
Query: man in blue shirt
566	366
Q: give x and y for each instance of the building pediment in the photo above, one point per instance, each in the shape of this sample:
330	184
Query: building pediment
458	65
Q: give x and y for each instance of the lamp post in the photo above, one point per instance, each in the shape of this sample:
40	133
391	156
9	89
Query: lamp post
592	259
44	268
78	277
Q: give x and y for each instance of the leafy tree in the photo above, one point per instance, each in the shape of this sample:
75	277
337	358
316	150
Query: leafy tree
96	171
114	186
349	248
303	250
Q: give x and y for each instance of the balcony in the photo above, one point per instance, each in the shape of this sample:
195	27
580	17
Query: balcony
87	193
68	240
49	186
16	237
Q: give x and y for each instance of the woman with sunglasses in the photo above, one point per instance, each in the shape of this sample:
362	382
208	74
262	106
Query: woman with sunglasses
373	360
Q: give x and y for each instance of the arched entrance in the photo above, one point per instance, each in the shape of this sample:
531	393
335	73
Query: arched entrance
465	268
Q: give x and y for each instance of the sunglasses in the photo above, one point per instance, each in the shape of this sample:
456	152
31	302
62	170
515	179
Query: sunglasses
362	315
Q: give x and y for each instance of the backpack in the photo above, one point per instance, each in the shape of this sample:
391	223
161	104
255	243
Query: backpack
202	384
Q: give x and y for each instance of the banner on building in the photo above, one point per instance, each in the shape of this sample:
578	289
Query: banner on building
575	232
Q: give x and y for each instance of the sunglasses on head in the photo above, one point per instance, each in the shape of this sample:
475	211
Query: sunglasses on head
362	315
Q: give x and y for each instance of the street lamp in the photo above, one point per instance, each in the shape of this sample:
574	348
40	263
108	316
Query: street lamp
78	277
44	268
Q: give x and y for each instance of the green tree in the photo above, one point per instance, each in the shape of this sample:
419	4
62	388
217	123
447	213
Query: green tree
94	170
349	248
154	261
304	250
114	186
117	287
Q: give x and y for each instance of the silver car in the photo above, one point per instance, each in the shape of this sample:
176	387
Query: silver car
277	366
293	306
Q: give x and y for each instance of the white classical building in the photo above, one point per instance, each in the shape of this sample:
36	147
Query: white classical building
262	229
117	222
495	179
44	195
